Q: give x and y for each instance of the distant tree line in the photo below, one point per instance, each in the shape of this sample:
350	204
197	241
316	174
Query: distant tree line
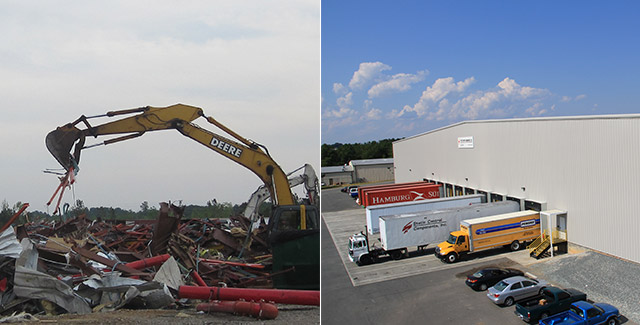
338	154
212	209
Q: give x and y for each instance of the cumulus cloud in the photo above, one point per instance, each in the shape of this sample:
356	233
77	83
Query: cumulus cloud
398	83
435	93
509	94
339	113
373	114
345	101
536	110
566	99
339	88
367	72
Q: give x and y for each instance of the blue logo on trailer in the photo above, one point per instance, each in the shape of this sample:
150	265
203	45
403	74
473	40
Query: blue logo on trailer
521	224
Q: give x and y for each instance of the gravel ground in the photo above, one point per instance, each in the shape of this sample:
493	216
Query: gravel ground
288	314
603	278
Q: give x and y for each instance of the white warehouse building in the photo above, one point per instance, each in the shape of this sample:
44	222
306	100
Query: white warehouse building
587	166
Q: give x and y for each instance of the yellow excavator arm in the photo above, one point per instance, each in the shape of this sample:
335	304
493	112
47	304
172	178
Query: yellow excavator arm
180	117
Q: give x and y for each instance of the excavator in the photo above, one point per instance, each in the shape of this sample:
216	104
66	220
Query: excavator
294	233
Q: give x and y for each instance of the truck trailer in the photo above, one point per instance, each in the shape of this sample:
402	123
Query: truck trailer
511	229
373	213
386	186
400	194
399	232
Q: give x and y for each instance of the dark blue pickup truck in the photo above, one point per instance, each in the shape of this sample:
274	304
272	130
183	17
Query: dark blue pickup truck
584	313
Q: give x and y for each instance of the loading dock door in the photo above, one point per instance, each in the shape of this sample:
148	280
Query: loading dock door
561	225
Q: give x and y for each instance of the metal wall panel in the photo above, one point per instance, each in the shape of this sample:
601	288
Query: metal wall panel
588	166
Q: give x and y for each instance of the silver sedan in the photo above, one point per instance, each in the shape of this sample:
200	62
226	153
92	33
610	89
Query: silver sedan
512	289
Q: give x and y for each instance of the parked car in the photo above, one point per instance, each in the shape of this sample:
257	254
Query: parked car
485	278
585	313
556	300
347	189
510	290
353	192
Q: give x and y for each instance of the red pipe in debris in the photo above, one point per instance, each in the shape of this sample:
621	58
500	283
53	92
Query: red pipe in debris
148	262
260	310
15	216
293	297
198	279
255	266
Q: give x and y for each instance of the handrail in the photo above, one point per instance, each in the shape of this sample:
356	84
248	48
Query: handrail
536	243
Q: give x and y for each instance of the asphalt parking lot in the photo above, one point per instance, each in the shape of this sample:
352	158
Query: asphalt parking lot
422	289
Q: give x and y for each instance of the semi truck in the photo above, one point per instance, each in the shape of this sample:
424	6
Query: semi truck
373	213
399	232
400	194
511	229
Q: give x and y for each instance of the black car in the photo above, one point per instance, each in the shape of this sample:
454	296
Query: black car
485	278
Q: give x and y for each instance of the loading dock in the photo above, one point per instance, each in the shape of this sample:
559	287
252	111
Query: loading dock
496	197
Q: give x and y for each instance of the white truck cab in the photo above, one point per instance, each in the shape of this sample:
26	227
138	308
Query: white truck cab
359	247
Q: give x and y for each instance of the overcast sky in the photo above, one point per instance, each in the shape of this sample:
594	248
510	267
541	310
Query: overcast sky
252	65
397	69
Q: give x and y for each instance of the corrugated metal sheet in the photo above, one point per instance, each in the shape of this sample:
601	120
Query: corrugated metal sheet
588	166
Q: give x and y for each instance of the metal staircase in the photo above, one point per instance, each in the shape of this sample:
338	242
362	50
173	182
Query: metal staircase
542	244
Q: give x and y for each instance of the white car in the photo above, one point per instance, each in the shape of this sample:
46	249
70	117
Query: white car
512	289
353	192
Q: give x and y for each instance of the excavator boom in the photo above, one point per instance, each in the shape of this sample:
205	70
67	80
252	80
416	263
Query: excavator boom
60	141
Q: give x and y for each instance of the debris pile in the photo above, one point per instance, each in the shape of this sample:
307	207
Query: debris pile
82	266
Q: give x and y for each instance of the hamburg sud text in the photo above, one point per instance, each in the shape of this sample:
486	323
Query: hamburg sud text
412	196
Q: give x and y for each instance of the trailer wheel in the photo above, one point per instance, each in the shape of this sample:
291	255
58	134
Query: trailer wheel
365	259
396	255
515	245
452	257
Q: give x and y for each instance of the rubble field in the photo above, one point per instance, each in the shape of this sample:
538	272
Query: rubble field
167	270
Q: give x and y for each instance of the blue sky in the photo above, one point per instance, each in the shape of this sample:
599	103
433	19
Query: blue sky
396	69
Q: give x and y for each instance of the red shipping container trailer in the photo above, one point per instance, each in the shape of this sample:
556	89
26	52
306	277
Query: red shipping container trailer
401	194
363	189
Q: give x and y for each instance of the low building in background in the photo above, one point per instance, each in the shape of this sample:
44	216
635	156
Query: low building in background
359	171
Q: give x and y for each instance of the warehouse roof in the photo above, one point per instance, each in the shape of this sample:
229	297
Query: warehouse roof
380	161
530	119
333	169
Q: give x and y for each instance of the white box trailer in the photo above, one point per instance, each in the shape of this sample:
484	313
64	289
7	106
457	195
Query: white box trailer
376	211
432	227
399	232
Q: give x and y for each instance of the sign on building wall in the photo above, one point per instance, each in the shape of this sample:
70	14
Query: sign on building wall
465	142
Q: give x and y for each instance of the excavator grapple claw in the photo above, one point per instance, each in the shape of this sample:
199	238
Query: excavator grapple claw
60	141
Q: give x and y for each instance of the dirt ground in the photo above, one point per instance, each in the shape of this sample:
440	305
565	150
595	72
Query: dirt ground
288	314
